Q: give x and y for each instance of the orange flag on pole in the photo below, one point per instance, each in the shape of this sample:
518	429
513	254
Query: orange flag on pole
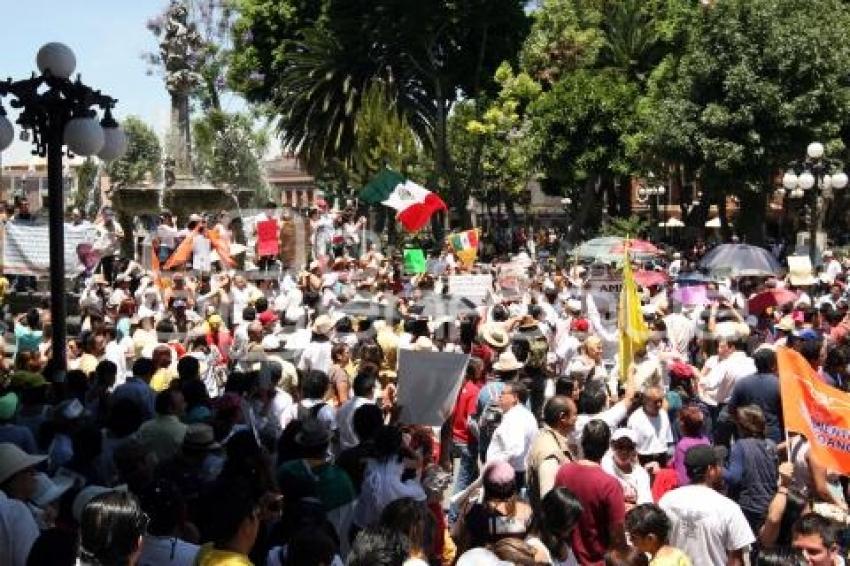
816	410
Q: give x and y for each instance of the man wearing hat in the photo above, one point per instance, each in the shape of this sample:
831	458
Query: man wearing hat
709	527
329	482
10	432
18	529
622	463
488	412
317	354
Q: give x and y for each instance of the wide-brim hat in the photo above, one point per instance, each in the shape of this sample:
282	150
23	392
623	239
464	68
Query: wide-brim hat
200	436
495	336
48	490
313	433
507	362
14	460
527	322
323	325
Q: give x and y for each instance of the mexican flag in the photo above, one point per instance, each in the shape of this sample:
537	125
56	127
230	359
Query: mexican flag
415	204
465	246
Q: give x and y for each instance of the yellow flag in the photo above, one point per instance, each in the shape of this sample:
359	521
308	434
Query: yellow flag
630	324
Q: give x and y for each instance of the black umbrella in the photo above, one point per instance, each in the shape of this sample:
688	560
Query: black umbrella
438	306
371	309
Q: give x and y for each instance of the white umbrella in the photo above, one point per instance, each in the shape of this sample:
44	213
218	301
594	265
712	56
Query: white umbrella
672	223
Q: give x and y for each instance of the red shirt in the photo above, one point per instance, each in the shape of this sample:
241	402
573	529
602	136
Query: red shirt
467	400
603	508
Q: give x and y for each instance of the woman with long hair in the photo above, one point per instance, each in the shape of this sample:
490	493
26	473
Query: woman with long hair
551	533
111	530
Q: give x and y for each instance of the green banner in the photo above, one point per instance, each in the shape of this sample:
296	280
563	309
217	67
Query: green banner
414	261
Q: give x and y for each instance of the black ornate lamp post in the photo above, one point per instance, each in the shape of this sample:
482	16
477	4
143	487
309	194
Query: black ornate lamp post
814	178
59	112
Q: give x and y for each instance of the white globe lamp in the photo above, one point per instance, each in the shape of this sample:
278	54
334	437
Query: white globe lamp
839	180
7	132
815	150
789	180
806	180
114	143
84	136
57	59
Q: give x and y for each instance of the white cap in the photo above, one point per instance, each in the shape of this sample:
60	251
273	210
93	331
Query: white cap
624	432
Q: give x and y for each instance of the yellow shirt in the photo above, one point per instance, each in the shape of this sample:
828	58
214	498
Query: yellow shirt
162	379
209	556
672	557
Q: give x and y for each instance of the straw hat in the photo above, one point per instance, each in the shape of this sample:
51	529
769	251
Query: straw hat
495	336
14	460
200	436
323	325
527	322
507	362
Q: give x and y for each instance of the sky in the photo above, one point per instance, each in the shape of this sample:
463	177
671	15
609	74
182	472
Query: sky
108	38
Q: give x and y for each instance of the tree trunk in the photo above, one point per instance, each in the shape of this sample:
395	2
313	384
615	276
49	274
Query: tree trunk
128	244
751	217
588	202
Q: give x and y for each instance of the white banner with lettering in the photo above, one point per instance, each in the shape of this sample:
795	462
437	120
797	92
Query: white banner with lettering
476	288
26	248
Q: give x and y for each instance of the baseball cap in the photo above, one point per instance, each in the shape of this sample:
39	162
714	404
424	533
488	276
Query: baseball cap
807	334
624	433
704	455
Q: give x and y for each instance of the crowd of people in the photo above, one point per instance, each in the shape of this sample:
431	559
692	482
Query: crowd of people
248	414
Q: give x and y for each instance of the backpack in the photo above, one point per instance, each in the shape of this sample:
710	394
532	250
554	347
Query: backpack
489	420
538	348
312	413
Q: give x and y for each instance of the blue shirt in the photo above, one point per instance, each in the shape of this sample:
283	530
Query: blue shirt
761	389
139	392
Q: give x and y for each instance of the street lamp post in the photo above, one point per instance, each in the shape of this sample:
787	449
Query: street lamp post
655	193
814	177
59	112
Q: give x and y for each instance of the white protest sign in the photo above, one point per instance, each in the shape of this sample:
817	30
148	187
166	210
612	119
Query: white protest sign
26	248
201	260
472	287
428	385
604	285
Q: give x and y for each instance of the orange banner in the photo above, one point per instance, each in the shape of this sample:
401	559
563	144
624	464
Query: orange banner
814	409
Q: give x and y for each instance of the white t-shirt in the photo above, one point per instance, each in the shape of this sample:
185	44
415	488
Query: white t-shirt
167	551
612	416
635	484
654	434
705	524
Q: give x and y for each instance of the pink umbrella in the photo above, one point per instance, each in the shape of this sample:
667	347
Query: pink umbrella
637	247
692	295
648	278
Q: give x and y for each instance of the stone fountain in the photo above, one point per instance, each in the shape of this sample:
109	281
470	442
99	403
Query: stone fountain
180	191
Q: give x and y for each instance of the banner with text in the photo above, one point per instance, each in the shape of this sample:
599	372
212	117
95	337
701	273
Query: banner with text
26	248
476	288
814	409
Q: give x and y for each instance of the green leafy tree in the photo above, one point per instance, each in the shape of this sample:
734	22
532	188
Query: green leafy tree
756	81
228	151
141	162
312	61
87	174
142	158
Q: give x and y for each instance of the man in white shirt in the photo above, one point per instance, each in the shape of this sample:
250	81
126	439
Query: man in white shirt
513	437
364	393
715	387
709	527
622	463
831	266
653	434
